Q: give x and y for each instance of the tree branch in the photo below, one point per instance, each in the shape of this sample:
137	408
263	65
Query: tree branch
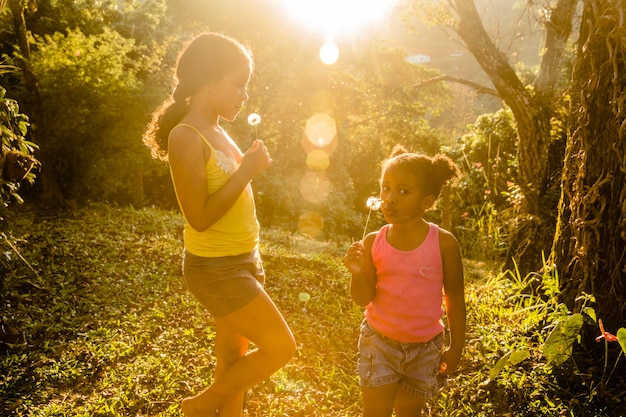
506	82
481	89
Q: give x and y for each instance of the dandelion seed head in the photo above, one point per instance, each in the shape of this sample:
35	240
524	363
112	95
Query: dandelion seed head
254	119
374	203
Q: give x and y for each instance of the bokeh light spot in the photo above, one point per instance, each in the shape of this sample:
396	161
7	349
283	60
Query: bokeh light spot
309	147
314	187
320	129
311	223
318	160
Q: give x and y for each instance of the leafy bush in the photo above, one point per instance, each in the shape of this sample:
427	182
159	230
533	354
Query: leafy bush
16	153
527	353
94	113
486	198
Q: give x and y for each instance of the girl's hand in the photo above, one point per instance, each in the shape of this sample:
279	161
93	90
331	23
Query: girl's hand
354	259
256	159
449	361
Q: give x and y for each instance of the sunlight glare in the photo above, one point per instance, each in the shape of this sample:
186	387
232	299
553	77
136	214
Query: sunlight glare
329	53
334	16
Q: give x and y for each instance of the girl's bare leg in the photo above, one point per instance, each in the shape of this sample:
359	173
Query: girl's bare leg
229	347
378	401
407	404
260	322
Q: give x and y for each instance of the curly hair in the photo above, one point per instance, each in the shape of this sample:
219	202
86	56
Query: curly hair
207	57
432	173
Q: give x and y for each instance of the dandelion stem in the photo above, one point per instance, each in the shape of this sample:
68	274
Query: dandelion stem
366	223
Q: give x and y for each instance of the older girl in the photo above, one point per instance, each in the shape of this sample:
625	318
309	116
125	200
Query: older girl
211	176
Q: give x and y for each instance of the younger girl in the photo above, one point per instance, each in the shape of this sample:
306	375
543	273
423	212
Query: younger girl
211	176
399	274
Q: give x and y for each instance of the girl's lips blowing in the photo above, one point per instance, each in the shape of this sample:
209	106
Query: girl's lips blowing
387	211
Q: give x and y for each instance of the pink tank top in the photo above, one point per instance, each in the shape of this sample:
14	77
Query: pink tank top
409	289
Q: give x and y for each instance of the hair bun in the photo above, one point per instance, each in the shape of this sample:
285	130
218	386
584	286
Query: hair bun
444	168
398	150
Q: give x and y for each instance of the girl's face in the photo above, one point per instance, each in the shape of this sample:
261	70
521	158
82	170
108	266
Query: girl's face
403	198
228	95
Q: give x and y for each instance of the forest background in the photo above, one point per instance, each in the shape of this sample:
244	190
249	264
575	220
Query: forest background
81	78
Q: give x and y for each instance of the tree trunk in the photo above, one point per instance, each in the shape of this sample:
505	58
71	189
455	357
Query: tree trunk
590	244
533	234
51	195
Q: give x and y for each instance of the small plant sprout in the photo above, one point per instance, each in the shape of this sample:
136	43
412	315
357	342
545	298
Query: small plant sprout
253	120
304	298
373	203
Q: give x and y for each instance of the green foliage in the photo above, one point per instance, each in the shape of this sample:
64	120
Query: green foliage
538	298
94	112
511	358
540	339
621	336
486	196
487	155
112	331
560	343
16	152
110	323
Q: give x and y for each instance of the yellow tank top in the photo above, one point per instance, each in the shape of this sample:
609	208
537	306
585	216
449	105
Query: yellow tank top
237	232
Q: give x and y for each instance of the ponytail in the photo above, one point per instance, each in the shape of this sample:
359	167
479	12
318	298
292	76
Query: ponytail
164	119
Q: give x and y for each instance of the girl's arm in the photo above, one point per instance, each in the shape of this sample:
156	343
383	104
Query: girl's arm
455	299
358	260
186	154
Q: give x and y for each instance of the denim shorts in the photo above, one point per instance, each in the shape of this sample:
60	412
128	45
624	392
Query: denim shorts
224	284
414	366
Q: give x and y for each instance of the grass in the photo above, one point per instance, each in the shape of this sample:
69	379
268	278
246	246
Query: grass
111	330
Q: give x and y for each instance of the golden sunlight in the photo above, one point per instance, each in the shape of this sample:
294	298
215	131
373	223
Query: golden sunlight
334	16
329	53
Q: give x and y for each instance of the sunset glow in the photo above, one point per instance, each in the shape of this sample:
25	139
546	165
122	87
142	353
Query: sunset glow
335	16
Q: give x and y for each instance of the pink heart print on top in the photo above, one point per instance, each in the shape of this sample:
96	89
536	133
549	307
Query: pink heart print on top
427	271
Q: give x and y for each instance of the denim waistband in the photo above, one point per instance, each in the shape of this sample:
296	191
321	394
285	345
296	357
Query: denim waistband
399	343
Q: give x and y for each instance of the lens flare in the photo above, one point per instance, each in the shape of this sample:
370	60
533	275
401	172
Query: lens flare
309	147
318	160
329	53
320	129
311	224
314	187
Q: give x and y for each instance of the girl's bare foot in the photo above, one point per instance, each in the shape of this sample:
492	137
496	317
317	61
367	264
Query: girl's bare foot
191	410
